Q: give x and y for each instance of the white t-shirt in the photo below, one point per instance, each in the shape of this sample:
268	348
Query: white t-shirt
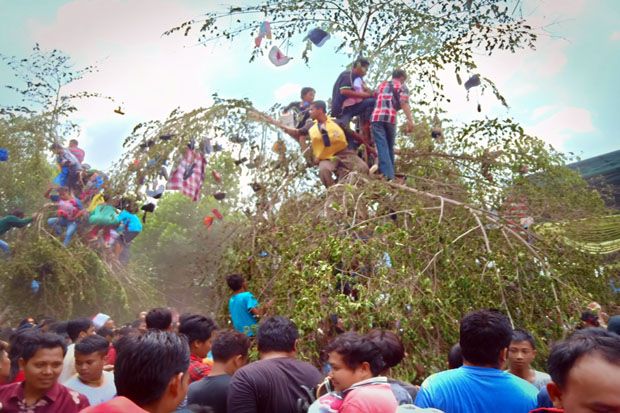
95	395
68	367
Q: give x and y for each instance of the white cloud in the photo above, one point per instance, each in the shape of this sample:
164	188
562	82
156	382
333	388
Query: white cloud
561	124
288	92
615	36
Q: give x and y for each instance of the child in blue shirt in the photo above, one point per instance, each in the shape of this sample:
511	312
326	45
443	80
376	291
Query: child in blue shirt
243	306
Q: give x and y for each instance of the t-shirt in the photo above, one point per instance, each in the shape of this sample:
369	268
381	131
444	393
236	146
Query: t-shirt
66	158
117	405
471	389
95	395
129	222
345	81
68	368
272	385
358	86
239	306
210	391
78	153
541	379
374	398
57	399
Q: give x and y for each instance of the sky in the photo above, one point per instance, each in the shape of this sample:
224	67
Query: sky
565	92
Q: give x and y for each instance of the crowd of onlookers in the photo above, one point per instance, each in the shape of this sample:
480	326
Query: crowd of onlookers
166	363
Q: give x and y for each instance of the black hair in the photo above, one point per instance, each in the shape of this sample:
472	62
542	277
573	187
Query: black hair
228	344
355	350
136	323
399	74
158	318
484	334
590	317
145	365
235	281
32	343
75	327
391	346
588	341
361	61
197	328
455	357
16	345
93	344
73	141
519	335
320	104
276	334
306	90
105	332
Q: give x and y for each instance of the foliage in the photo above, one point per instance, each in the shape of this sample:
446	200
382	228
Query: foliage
24	177
73	281
44	77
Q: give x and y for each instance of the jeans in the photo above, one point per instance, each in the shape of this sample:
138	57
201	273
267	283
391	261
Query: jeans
59	222
4	247
384	134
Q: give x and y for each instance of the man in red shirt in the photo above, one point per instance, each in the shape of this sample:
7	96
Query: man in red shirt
42	361
199	330
392	96
150	374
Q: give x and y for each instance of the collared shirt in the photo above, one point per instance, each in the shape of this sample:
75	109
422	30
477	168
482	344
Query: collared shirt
57	399
384	108
197	369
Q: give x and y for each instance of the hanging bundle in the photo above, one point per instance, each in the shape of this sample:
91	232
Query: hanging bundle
277	57
472	82
217	214
317	36
263	32
4	154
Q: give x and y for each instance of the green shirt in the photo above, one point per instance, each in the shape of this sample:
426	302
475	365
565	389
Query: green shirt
11	221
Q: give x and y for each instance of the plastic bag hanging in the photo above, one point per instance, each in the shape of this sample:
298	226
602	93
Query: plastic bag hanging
4	154
277	57
472	82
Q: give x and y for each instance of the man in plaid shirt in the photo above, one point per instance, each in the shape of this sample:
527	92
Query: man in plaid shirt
199	332
392	95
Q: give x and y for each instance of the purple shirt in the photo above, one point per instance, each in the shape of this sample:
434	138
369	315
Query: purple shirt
57	399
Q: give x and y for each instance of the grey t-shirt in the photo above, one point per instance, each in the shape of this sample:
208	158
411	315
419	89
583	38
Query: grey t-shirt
541	379
210	391
272	385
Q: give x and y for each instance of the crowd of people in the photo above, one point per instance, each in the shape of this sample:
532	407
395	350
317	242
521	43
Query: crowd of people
185	363
79	202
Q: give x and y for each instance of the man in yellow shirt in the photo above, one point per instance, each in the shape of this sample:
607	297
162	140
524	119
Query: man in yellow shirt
329	145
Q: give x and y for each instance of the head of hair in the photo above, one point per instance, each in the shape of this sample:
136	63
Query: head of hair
361	61
276	334
235	281
75	327
355	350
590	318
145	364
519	335
73	142
228	344
320	104
455	357
197	328
306	90
105	332
56	146
589	341
17	213
389	343
93	344
32	343
399	74
484	334
159	318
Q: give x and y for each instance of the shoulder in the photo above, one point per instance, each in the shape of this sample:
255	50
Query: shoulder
9	389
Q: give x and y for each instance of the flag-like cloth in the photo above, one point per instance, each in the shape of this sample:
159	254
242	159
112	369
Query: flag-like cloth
189	175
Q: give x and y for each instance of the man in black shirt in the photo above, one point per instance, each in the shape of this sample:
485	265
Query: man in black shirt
274	383
230	352
350	95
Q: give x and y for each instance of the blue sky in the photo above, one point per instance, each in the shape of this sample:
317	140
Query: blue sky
565	92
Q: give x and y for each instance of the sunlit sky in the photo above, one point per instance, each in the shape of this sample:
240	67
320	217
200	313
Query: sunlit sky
566	92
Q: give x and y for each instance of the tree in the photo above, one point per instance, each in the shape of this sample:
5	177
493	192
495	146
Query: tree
42	81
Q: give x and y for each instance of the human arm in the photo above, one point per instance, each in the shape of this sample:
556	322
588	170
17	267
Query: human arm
404	105
350	93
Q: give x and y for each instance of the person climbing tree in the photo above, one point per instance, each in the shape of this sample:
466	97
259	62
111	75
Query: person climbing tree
14	220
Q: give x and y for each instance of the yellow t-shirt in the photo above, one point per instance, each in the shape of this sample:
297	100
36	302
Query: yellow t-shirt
327	139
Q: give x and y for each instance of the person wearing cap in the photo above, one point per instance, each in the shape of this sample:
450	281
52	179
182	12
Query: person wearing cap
329	140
